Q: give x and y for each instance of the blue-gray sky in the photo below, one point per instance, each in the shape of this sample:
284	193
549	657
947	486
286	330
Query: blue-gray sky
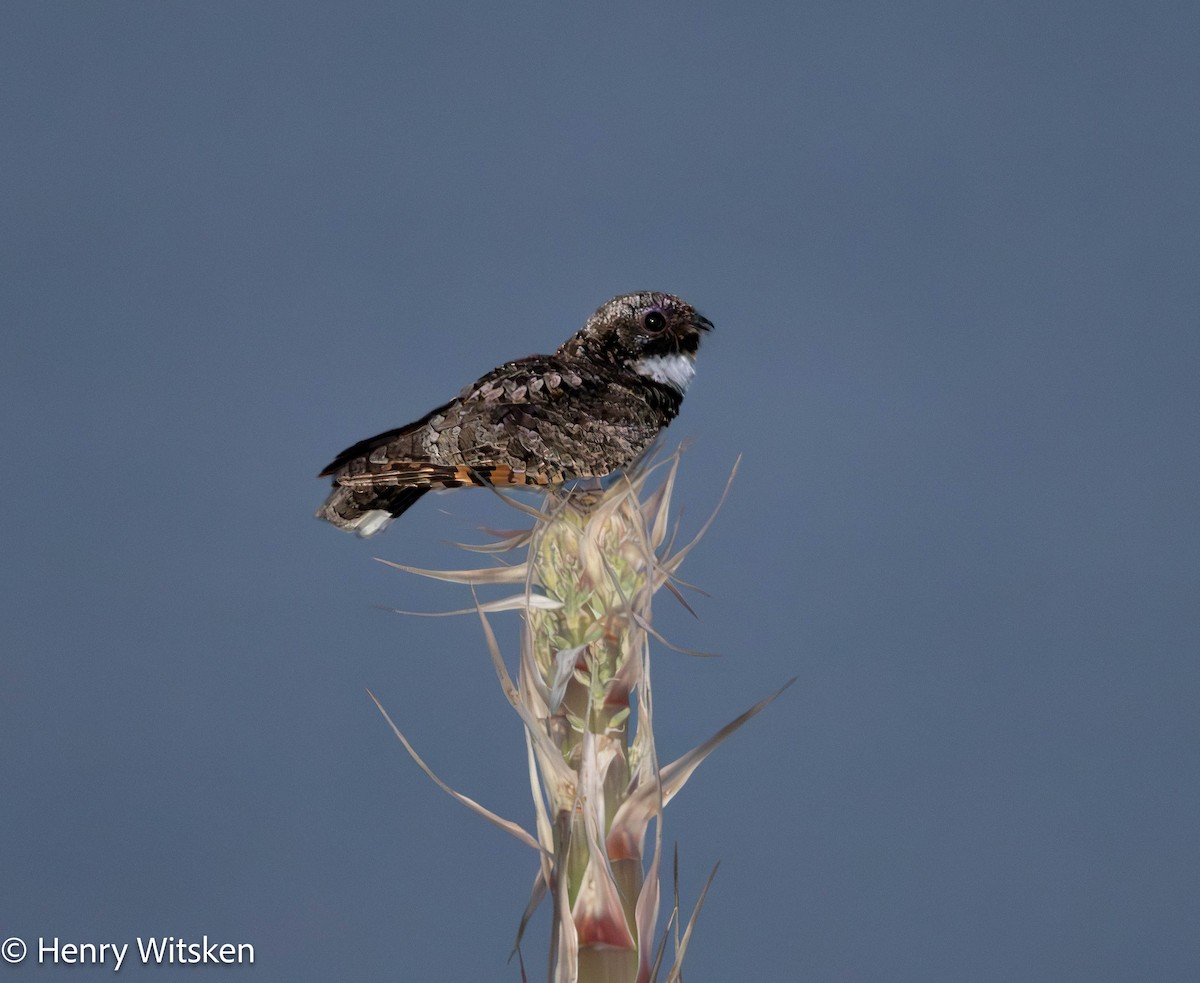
951	251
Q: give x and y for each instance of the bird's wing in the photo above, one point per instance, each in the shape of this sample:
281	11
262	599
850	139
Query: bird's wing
364	447
416	474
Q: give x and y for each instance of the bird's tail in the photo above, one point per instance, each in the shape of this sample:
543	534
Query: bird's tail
367	509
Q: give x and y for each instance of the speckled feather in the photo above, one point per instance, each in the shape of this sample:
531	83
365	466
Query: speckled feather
587	410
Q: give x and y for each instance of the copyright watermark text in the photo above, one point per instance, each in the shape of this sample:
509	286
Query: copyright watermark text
164	950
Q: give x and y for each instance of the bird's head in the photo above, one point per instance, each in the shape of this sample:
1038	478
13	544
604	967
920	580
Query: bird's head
654	334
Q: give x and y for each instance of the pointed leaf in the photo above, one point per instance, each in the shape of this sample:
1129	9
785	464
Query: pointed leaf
489	575
677	969
507	825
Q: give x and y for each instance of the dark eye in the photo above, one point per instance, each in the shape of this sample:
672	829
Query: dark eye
654	321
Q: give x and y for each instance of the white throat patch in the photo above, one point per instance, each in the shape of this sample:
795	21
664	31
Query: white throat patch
671	370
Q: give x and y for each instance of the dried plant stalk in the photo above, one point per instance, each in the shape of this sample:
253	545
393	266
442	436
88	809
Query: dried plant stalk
594	562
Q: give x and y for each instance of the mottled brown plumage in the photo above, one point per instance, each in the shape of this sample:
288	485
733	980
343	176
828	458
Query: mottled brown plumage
585	411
